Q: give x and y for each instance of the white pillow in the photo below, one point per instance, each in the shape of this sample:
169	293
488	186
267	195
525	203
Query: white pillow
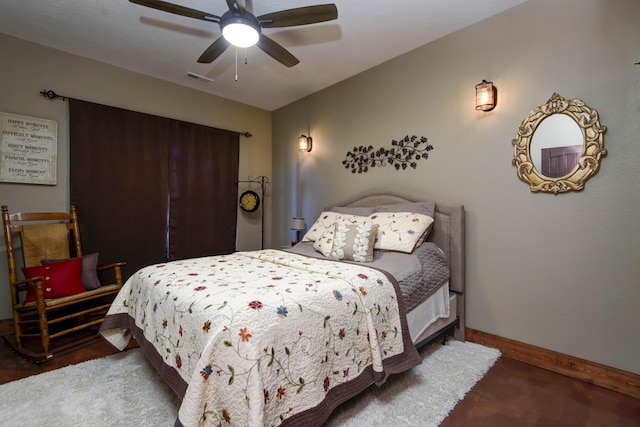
326	220
400	231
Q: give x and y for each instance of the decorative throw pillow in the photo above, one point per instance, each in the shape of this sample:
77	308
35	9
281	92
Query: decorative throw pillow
60	279
89	270
326	220
324	243
354	242
400	231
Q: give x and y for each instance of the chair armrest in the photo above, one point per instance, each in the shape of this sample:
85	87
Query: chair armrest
117	274
112	265
36	282
21	284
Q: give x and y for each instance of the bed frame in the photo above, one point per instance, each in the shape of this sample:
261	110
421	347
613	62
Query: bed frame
448	234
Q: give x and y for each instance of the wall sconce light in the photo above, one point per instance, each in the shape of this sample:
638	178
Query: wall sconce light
304	143
485	96
297	224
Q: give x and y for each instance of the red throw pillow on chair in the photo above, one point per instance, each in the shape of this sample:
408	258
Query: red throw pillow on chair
60	279
89	270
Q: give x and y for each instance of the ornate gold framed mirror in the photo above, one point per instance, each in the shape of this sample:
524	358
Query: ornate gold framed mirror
559	146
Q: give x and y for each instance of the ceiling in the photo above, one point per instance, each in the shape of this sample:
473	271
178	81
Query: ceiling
167	46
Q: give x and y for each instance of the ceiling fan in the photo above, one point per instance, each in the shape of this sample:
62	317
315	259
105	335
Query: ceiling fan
242	28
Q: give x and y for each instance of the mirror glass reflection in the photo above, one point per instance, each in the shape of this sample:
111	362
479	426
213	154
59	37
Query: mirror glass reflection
556	146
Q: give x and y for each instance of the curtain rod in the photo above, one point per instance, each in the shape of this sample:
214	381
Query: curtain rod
52	95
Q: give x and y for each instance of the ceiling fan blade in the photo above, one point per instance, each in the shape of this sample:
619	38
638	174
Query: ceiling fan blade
248	6
277	52
234	5
299	16
178	10
213	51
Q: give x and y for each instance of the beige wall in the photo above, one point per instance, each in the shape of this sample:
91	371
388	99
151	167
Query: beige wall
26	69
560	272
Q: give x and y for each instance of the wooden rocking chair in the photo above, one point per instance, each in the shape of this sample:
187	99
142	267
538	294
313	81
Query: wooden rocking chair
65	291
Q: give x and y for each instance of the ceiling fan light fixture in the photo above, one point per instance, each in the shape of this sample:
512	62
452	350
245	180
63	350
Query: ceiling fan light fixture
241	28
240	32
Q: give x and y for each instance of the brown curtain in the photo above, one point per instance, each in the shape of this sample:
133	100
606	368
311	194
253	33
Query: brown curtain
203	170
145	185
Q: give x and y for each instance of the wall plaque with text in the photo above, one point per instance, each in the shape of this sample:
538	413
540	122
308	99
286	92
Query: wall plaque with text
28	149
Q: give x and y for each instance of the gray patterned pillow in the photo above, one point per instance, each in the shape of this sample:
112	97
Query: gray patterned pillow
354	242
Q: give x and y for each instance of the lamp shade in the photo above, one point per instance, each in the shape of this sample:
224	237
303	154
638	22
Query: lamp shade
485	96
297	223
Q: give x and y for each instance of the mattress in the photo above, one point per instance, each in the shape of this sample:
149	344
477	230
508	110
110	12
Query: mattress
423	280
436	312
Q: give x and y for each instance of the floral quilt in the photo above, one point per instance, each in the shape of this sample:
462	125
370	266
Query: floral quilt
264	338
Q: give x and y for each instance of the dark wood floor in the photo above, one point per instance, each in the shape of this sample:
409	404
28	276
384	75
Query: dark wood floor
511	394
514	393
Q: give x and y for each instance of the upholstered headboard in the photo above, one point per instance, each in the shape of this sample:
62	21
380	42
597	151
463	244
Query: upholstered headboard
448	228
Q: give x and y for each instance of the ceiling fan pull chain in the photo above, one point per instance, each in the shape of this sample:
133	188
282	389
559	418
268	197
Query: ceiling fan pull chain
245	56
236	64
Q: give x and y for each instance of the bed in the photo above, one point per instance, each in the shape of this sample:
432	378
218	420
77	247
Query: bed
282	337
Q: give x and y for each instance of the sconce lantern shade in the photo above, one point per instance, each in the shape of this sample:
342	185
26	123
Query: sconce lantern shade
485	96
305	143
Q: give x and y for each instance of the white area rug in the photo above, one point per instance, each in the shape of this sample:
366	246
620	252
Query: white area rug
87	395
424	395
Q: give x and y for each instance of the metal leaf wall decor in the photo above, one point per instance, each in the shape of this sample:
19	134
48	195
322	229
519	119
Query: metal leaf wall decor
402	154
